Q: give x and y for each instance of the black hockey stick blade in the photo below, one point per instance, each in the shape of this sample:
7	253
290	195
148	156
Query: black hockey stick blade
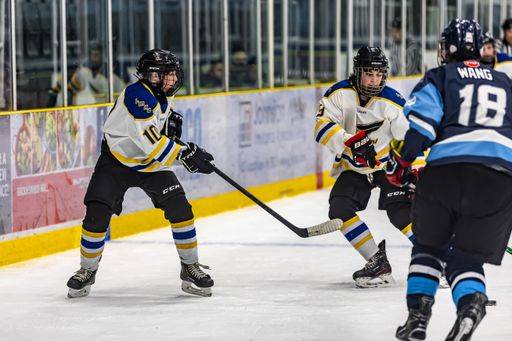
310	231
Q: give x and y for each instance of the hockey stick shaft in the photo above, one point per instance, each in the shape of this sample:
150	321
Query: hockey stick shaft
295	229
316	230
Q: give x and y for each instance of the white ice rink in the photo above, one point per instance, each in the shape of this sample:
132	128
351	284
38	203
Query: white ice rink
269	285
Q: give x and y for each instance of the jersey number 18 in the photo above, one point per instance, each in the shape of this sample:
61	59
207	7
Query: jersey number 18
497	103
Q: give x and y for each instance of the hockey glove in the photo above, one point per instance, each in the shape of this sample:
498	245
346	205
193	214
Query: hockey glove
172	126
398	171
362	149
195	159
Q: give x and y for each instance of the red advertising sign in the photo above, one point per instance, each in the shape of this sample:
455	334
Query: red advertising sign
49	199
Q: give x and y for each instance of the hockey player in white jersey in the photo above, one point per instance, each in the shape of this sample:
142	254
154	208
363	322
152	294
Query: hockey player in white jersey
356	120
138	151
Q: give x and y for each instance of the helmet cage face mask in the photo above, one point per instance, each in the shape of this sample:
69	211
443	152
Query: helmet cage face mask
157	78
370	91
442	53
153	73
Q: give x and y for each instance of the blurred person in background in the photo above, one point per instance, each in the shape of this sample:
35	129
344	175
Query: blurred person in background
412	53
214	78
88	83
504	45
241	72
497	60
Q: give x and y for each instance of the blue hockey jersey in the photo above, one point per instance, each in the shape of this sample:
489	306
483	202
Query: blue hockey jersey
463	111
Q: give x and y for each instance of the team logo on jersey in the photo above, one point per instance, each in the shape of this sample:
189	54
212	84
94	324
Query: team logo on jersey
370	127
411	101
361	111
471	63
141	104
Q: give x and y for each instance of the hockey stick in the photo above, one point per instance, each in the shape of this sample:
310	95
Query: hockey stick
310	231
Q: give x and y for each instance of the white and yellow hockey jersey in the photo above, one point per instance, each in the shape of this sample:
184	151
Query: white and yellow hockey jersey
340	116
503	63
132	130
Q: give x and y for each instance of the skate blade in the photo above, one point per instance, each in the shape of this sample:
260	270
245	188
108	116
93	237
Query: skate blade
74	293
382	281
466	326
190	288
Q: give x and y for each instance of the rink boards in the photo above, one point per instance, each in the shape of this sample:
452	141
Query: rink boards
261	138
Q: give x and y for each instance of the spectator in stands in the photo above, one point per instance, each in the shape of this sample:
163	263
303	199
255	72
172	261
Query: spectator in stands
241	73
412	53
215	76
505	44
88	82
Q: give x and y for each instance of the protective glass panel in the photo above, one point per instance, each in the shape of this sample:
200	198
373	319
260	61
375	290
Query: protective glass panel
38	63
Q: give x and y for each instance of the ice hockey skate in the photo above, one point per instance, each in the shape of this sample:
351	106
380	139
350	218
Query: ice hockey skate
80	283
195	280
468	318
376	272
416	325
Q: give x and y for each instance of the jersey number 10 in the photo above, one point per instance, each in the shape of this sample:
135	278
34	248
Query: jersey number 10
488	98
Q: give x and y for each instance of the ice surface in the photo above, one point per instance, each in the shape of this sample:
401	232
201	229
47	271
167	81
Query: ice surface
269	285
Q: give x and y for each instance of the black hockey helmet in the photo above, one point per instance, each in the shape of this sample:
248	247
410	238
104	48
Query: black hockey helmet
370	59
154	65
461	40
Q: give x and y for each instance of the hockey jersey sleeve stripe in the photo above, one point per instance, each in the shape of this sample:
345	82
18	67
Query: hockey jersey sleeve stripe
173	155
330	134
323	130
427	102
472	150
162	144
166	151
422	127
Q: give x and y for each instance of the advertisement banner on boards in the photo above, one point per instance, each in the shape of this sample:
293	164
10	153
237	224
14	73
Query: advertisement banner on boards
53	155
5	175
49	199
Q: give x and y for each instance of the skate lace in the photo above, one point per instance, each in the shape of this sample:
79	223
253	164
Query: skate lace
195	270
372	262
83	275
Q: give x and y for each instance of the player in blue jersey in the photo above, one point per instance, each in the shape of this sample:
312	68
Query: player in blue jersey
463	111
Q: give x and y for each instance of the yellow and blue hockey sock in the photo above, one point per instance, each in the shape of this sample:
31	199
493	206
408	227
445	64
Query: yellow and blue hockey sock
184	234
407	231
359	235
91	249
